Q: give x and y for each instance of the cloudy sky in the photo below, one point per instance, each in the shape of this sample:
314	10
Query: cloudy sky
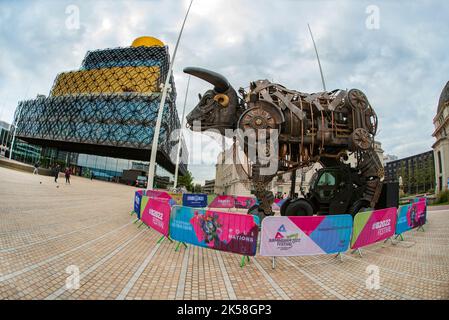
394	51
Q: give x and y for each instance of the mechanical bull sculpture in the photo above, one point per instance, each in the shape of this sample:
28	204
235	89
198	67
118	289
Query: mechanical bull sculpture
319	127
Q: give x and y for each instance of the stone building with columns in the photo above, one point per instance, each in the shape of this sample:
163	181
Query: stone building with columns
441	146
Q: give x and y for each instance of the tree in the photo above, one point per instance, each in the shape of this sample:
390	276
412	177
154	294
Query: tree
186	181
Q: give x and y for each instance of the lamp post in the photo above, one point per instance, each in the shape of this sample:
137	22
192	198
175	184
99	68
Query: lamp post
180	136
151	170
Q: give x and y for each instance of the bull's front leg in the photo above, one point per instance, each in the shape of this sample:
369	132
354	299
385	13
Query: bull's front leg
261	186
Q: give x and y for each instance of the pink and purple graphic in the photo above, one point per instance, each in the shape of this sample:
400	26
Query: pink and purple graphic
373	226
244	202
160	196
156	215
222	202
231	232
411	216
299	236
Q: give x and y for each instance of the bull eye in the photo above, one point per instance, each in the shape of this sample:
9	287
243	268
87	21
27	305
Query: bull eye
222	99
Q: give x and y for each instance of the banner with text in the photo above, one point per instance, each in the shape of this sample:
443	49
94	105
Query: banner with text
244	202
299	235
222	202
231	232
194	200
411	216
373	226
156	214
160	196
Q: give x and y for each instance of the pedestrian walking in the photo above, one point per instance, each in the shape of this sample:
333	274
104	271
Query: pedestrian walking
67	175
56	172
36	168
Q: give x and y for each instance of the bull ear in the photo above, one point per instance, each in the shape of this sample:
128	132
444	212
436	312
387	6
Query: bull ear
220	83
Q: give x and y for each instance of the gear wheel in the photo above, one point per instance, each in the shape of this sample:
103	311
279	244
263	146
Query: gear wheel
362	139
357	99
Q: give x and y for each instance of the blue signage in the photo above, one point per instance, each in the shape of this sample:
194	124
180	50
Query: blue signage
194	200
137	202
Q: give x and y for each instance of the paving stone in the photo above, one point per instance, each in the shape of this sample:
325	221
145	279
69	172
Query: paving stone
44	230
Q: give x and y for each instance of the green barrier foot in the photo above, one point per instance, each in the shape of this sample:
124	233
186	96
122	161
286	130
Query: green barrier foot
242	262
132	212
136	220
339	256
162	239
179	244
359	251
141	223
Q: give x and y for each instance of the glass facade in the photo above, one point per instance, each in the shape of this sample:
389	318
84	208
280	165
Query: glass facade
108	168
105	112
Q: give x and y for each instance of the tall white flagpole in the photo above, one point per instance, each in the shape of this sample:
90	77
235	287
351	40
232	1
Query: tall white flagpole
180	135
318	58
151	170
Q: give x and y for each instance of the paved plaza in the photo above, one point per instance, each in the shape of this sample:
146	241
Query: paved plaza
48	229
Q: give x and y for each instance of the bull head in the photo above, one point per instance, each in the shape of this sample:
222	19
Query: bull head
218	108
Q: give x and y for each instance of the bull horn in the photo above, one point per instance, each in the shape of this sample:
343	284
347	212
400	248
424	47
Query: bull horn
220	83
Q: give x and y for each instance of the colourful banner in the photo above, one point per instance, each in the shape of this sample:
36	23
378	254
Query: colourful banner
160	196
244	202
418	199
299	236
156	214
137	201
194	200
373	226
279	202
222	202
177	198
411	216
231	232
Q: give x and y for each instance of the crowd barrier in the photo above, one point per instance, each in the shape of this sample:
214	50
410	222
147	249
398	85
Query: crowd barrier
142	196
298	236
410	216
156	215
373	226
194	200
280	236
278	203
229	202
230	232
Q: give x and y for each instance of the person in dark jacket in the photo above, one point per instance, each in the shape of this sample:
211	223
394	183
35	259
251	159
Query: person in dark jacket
67	175
56	172
36	168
